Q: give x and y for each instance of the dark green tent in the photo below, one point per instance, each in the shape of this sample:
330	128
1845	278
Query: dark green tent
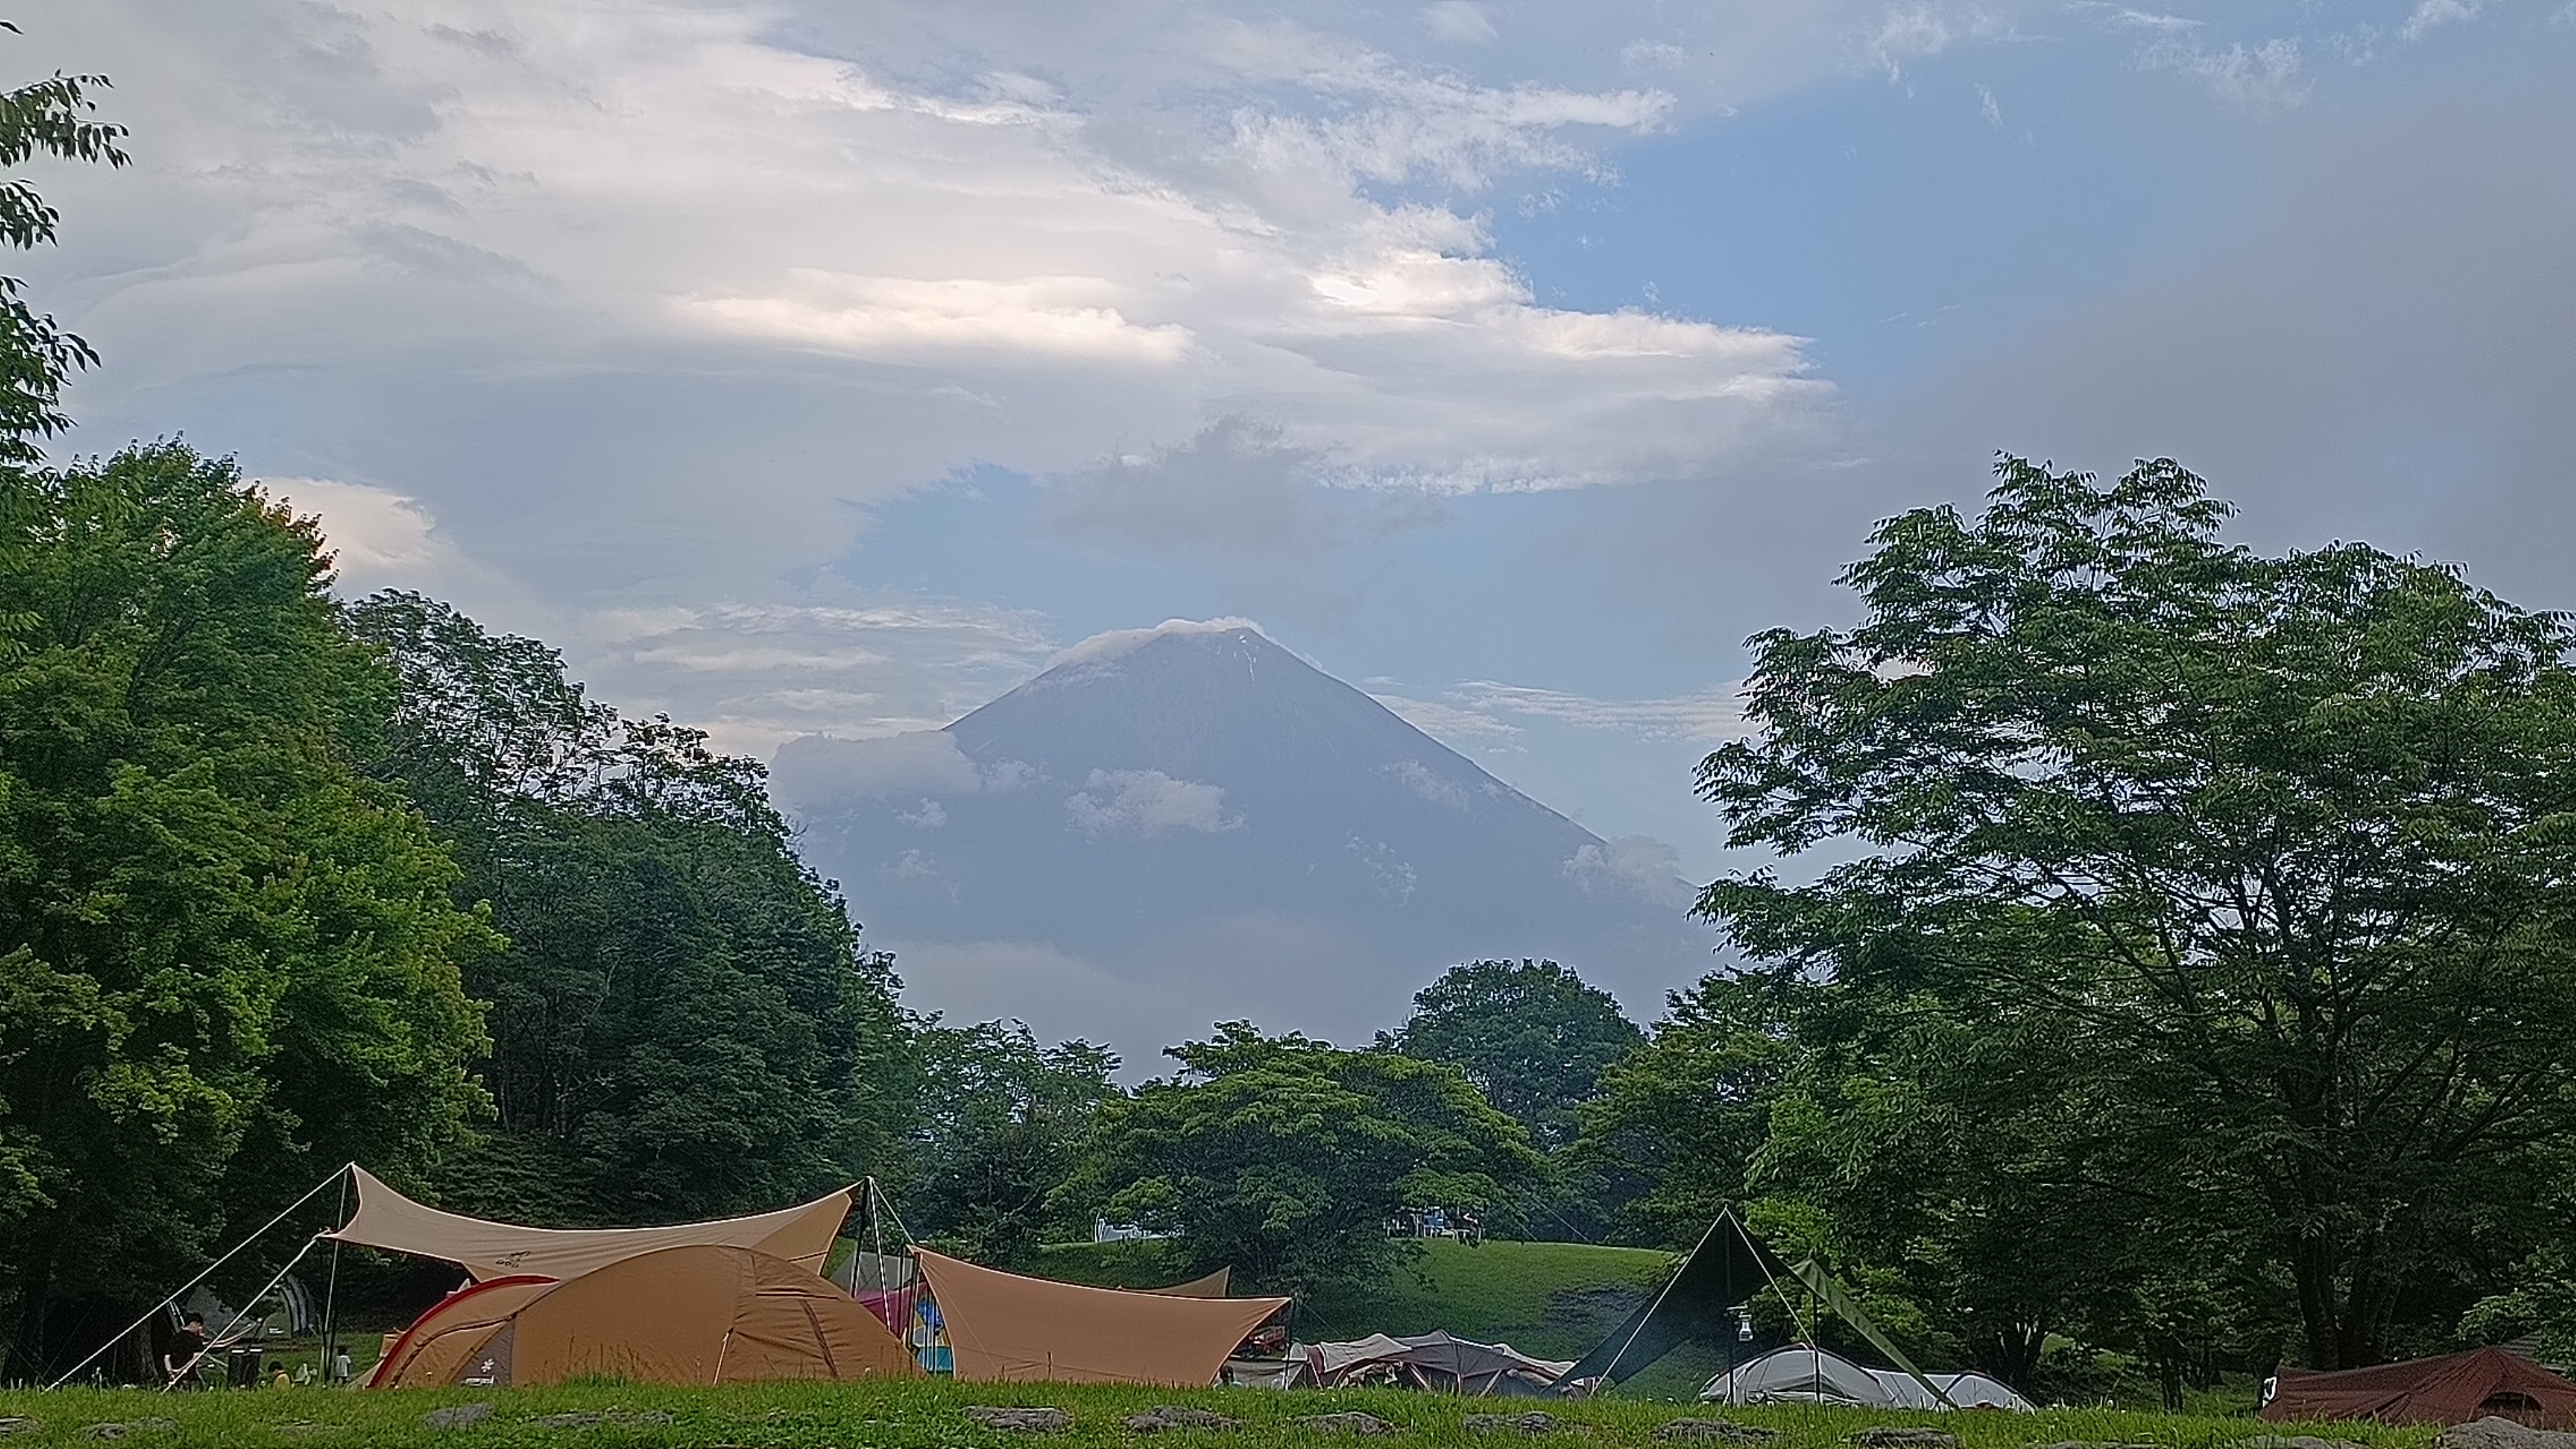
1725	1269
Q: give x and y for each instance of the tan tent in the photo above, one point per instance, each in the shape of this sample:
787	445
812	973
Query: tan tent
387	1219
1211	1286
699	1314
1006	1328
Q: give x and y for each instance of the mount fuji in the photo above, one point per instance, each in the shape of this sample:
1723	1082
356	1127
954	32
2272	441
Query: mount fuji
1181	825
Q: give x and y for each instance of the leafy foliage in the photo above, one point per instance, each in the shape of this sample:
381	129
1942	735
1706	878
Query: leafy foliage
229	961
1005	1122
2203	898
50	117
684	1019
1285	1157
1671	1134
1533	1037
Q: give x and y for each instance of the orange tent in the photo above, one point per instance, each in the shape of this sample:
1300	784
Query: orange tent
1006	1328
2450	1389
699	1314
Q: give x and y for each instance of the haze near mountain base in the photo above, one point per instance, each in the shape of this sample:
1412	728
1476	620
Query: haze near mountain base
1186	824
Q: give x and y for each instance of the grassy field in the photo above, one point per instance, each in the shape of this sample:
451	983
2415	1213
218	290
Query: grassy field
931	1415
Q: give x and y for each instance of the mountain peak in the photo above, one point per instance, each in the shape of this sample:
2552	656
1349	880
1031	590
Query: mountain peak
1191	823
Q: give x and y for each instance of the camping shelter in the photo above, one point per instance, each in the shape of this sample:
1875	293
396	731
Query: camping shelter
1803	1374
387	1219
1436	1361
1727	1269
1006	1328
2453	1388
696	1314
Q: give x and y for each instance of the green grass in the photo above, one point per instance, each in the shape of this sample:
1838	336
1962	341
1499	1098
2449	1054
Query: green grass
930	1415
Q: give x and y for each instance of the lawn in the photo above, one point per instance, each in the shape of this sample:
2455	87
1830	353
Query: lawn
932	1415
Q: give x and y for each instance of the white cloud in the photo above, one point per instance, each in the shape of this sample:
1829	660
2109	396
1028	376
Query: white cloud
1638	863
1147	802
1420	779
762	673
1706	717
1459	23
378	538
2265	78
1989	108
2431	15
1393	876
818	769
1652	54
1111	644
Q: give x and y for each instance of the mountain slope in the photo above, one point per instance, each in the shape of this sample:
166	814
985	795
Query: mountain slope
1181	825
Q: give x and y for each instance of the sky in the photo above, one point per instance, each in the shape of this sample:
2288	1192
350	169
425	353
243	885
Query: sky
813	367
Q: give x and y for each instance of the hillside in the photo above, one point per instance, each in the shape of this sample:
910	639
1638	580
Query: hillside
1190	824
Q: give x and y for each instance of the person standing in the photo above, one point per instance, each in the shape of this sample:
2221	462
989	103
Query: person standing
187	1347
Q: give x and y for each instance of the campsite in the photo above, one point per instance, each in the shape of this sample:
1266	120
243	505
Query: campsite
599	843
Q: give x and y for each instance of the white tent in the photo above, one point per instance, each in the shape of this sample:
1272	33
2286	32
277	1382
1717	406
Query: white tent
1799	1375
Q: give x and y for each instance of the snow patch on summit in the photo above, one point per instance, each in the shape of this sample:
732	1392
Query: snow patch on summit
1115	642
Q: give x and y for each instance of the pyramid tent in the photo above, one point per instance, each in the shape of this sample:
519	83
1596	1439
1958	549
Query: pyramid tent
1010	1329
1726	1268
696	1314
2453	1388
387	1219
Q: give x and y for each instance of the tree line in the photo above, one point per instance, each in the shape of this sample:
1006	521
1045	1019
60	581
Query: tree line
2168	968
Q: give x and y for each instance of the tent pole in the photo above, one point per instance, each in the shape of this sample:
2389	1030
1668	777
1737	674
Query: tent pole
250	1303
183	1288
331	1291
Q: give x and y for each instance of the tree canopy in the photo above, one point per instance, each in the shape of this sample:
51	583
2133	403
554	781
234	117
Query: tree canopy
2249	877
229	960
1285	1158
684	1023
1532	1036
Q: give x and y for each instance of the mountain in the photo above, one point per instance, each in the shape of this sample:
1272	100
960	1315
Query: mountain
1181	825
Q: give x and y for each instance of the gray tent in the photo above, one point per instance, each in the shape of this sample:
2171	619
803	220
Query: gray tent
1800	1374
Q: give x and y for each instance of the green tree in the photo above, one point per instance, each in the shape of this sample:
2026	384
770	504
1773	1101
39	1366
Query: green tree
228	960
1670	1135
2281	848
1005	1123
685	1022
1533	1037
51	117
1285	1158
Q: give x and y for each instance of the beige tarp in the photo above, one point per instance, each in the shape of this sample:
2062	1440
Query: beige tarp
1211	1286
387	1219
690	1315
1008	1328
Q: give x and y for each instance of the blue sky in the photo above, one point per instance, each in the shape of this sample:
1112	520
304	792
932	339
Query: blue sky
810	367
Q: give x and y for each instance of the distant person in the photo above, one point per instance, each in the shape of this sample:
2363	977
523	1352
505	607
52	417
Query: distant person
187	1347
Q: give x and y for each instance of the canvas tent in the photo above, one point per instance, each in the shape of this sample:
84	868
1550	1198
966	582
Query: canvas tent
2451	1389
1727	1268
387	1219
1802	1374
1435	1361
1211	1285
1007	1328
695	1314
